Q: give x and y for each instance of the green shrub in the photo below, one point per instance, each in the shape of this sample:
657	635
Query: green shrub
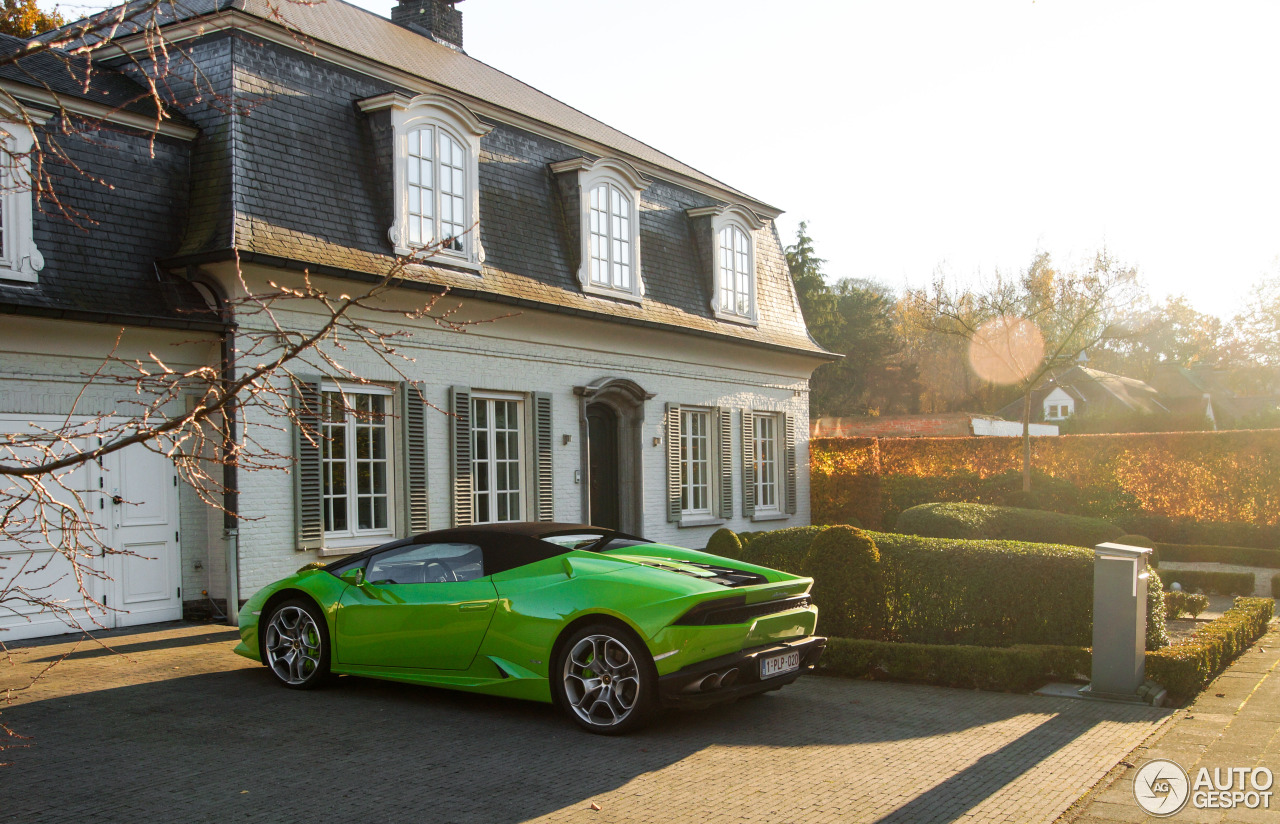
957	520
783	549
1017	668
1175	603
989	593
847	584
1184	668
1214	583
1208	553
745	537
1168	530
725	543
1195	603
1157	627
1141	541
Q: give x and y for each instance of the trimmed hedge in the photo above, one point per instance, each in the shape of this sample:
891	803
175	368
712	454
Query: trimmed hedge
1141	541
960	520
847	584
946	591
1208	553
1008	669
1275	586
1157	615
1183	669
1208	533
1215	583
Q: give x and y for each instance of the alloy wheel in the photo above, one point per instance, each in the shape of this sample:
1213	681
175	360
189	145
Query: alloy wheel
293	645
601	680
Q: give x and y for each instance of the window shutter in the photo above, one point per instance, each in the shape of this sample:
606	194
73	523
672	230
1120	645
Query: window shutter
748	463
414	422
725	416
673	463
308	485
460	407
790	424
544	489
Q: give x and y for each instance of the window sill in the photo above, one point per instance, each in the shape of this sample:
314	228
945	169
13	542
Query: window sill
770	516
350	546
700	520
415	257
741	320
612	294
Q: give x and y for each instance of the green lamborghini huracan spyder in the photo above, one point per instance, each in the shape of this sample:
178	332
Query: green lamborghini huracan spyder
607	626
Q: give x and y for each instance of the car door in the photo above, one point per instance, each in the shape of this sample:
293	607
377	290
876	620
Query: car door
420	606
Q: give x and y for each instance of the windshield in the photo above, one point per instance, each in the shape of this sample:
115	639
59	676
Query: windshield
590	540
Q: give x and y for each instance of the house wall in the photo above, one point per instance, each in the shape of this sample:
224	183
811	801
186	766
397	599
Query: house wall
543	352
43	369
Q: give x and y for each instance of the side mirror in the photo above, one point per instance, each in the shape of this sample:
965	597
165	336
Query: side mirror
355	577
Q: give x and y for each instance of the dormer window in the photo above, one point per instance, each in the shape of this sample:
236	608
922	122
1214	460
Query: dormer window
606	195
20	260
730	231
435	160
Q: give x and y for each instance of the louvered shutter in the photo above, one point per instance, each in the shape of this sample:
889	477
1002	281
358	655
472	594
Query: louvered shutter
790	426
544	489
673	463
413	415
748	463
460	443
725	417
308	484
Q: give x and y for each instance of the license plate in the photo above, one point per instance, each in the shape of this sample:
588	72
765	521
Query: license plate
779	665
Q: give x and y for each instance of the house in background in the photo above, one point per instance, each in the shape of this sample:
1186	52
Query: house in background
939	425
649	369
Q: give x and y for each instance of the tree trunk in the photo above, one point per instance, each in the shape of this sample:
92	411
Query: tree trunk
1026	442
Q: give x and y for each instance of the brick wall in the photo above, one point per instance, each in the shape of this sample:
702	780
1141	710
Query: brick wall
901	426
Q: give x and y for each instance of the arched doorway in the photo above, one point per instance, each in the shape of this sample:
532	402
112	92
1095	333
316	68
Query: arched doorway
612	418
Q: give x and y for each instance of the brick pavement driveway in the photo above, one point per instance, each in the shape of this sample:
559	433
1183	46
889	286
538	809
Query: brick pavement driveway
183	730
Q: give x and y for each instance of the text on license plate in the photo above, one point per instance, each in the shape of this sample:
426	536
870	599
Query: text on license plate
779	665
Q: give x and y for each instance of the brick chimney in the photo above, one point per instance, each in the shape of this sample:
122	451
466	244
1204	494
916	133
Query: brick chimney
437	19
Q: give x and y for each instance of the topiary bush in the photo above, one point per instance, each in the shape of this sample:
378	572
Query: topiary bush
1175	603
847	583
725	543
1215	583
1195	603
959	520
1157	621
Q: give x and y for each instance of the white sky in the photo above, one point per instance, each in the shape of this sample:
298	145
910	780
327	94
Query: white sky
915	134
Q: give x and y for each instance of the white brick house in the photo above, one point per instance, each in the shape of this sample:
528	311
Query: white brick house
648	369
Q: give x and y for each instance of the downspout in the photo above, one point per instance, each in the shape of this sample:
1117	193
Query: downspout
230	491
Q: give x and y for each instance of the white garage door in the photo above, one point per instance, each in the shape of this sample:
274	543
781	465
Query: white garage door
134	503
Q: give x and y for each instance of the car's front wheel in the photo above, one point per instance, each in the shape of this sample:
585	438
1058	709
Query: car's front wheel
295	644
604	679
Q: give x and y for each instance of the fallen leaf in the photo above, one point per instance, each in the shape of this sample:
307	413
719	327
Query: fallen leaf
1219	695
595	806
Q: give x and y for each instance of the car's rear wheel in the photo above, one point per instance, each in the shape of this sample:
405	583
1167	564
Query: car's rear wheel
604	679
295	644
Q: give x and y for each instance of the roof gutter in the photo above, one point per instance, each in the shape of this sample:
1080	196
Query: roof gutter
118	318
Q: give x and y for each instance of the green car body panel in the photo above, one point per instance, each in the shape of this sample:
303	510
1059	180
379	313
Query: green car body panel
497	634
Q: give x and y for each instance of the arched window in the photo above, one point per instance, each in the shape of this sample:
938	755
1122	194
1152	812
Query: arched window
608	193
436	151
610	237
735	271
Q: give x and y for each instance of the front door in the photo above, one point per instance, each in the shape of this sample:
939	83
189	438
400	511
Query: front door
602	462
423	606
145	572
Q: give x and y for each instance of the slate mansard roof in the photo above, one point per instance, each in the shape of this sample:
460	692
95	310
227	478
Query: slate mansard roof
303	179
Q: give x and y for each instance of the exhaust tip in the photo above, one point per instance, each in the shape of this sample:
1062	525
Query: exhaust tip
729	678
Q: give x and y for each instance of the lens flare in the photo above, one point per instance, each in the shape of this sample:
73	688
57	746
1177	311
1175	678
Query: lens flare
1006	350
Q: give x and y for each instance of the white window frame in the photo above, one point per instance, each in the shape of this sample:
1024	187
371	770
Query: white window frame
353	536
522	438
745	220
623	177
774	479
439	113
20	260
709	461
